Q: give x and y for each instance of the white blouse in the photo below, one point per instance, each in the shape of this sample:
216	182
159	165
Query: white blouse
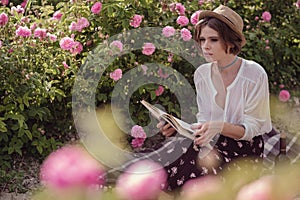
246	103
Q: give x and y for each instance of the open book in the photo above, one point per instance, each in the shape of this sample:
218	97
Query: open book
182	127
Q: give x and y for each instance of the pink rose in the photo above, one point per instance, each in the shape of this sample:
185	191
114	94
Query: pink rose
57	15
77	48
185	34
143	180
40	33
200	2
79	25
180	9
118	44
281	86
182	20
266	16
116	75
52	37
3	19
138	132
136	21
284	95
137	142
96	8
159	91
148	49
23	31
168	31
71	166
67	43
5	2
195	16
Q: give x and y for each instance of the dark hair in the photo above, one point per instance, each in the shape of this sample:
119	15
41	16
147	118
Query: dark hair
227	35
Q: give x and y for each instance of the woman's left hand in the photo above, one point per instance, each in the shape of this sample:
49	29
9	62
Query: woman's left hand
205	132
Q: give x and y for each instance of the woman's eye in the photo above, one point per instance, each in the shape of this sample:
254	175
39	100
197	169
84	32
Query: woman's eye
214	40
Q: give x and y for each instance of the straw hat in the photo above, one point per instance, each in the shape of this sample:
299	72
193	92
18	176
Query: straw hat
229	17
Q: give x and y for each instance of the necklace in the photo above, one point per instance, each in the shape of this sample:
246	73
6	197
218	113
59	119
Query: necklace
229	65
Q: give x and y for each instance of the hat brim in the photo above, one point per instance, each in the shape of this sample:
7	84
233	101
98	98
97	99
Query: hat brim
208	13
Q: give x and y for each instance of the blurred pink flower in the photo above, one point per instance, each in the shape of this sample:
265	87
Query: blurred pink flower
267	41
17	9
185	34
180	9
172	7
0	43
195	16
23	31
52	37
71	166
168	31
40	33
77	48
148	48
136	21
137	142
266	16
67	43
116	75
143	180
260	189
170	57
208	185
79	25
284	95
281	86
3	19
57	15
118	44
161	74
137	132
5	2
66	66
267	47
297	4
145	68
159	91
182	20
23	4
256	18
96	8
33	26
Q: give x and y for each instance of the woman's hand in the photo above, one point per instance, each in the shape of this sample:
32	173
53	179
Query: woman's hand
166	129
205	132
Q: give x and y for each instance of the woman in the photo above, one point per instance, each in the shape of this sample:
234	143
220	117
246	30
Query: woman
232	98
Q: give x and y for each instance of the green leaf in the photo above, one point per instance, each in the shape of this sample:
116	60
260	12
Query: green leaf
2	126
29	135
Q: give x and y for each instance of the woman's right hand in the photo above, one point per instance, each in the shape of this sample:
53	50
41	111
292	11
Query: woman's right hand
166	129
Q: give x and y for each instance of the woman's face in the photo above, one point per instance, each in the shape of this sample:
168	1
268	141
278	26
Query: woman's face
213	48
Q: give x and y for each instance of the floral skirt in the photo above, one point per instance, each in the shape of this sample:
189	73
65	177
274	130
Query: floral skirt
226	150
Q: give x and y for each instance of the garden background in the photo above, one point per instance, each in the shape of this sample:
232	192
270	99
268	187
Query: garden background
44	44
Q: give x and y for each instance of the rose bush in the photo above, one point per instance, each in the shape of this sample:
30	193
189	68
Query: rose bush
43	44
